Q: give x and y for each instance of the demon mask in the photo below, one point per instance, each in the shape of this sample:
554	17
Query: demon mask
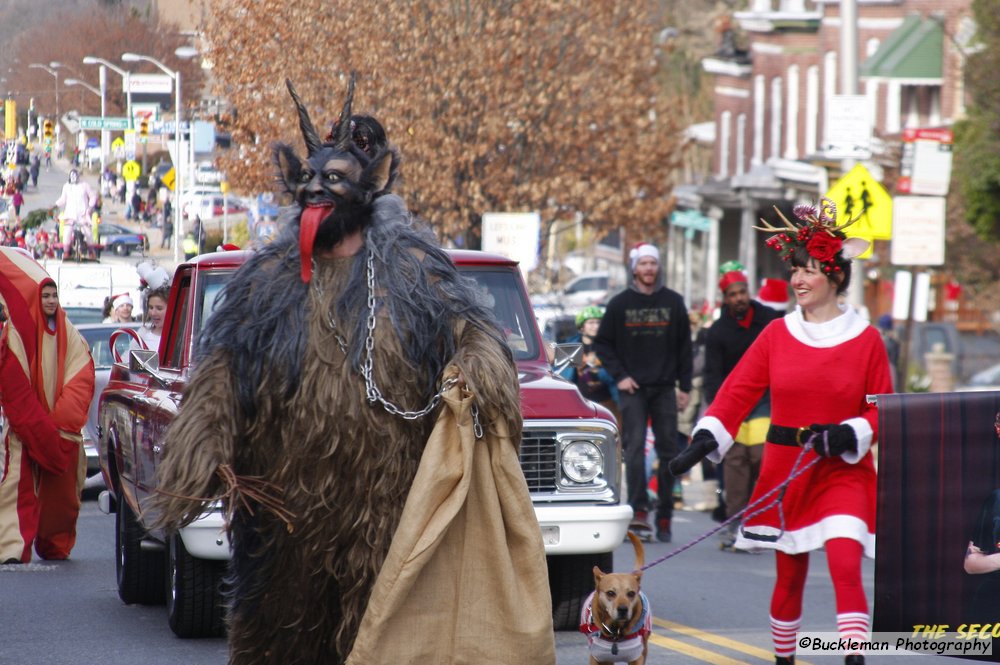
339	179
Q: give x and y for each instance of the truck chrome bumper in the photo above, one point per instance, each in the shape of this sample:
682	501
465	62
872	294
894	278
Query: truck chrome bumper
583	530
206	538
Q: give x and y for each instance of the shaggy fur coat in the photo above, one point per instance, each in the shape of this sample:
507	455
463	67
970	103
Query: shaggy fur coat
275	397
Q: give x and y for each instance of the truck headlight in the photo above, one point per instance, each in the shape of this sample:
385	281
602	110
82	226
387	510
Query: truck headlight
582	461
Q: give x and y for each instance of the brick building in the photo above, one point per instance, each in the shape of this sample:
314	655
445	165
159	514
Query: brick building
776	71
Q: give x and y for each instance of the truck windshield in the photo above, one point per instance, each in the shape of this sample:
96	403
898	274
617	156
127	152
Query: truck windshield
497	286
500	290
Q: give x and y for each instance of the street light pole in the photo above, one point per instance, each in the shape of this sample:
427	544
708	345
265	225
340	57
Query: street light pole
54	73
105	135
182	52
124	73
99	93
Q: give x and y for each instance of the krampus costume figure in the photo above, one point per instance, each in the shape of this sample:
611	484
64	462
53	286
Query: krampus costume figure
307	412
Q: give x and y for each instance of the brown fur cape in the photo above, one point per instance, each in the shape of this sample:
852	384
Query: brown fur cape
344	467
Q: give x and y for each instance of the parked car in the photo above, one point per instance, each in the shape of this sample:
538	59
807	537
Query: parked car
207	174
97	336
213	205
987	379
121	240
83	315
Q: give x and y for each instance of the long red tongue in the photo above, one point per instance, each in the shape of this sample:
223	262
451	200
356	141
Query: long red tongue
311	218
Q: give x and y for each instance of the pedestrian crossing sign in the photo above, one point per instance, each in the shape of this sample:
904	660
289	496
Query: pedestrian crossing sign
858	193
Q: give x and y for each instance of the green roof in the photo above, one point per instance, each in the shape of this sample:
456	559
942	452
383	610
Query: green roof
913	51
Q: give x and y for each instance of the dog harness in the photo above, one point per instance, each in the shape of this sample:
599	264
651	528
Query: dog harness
615	649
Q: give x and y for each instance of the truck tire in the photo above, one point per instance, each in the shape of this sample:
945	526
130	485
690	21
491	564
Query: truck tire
194	592
571	579
140	572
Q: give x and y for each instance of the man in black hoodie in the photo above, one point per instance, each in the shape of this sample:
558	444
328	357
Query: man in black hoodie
645	343
741	321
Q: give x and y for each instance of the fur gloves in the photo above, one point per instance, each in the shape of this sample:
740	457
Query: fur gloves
702	443
833	440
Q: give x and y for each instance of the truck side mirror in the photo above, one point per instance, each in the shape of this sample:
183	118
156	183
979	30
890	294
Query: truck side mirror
567	354
146	361
143	359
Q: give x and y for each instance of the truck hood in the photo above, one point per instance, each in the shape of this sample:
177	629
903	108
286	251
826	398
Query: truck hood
547	396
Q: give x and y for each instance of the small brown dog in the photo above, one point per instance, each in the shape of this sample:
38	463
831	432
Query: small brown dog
617	618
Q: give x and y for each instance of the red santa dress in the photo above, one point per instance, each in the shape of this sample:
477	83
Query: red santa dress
818	373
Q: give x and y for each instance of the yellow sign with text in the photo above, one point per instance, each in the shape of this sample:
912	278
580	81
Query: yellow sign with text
858	194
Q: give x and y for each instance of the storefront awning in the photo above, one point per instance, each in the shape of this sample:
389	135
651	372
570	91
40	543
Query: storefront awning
913	51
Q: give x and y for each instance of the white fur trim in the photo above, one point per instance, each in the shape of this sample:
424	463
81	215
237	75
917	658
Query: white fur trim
123	299
812	537
863	433
830	333
715	427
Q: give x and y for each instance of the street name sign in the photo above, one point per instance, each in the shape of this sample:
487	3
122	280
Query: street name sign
97	122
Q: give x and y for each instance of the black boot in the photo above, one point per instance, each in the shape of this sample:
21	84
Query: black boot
854	659
784	660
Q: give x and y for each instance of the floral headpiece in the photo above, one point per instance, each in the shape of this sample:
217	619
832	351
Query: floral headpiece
819	234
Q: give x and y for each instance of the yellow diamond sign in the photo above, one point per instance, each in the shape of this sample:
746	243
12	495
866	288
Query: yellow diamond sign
860	195
169	179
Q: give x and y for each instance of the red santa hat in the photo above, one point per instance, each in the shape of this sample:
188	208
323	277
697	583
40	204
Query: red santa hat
121	299
774	293
732	277
641	250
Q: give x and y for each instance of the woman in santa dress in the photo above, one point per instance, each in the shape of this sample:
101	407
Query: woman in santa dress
819	361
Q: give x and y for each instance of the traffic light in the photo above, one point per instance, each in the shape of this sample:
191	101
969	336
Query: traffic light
47	130
144	129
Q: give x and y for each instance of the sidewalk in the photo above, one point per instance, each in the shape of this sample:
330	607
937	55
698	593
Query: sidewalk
113	211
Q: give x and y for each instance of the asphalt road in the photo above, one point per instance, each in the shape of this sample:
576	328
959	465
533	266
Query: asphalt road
710	607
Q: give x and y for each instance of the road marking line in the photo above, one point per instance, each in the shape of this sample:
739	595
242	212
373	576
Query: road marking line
27	567
718	640
693	651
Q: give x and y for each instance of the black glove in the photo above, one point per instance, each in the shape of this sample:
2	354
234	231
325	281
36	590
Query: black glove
833	440
701	445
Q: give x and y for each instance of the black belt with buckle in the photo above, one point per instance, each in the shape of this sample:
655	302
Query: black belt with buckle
788	436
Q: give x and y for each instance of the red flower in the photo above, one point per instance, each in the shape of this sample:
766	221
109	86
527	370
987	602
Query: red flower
823	247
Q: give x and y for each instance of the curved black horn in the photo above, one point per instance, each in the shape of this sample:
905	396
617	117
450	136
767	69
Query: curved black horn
313	142
343	138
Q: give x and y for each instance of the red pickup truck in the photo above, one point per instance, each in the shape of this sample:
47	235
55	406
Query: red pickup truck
570	454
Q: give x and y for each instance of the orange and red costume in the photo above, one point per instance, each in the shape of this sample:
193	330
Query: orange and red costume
46	385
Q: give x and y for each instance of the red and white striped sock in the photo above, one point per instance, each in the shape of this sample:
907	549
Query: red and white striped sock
783	636
853	625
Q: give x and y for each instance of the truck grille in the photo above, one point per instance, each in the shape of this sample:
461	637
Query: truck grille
540	461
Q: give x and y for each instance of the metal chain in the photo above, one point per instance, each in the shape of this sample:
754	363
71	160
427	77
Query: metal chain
372	391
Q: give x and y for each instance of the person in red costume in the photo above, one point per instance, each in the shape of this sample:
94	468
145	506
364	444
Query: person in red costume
46	384
819	361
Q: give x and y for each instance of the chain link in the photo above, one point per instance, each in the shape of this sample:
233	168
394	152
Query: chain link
372	392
